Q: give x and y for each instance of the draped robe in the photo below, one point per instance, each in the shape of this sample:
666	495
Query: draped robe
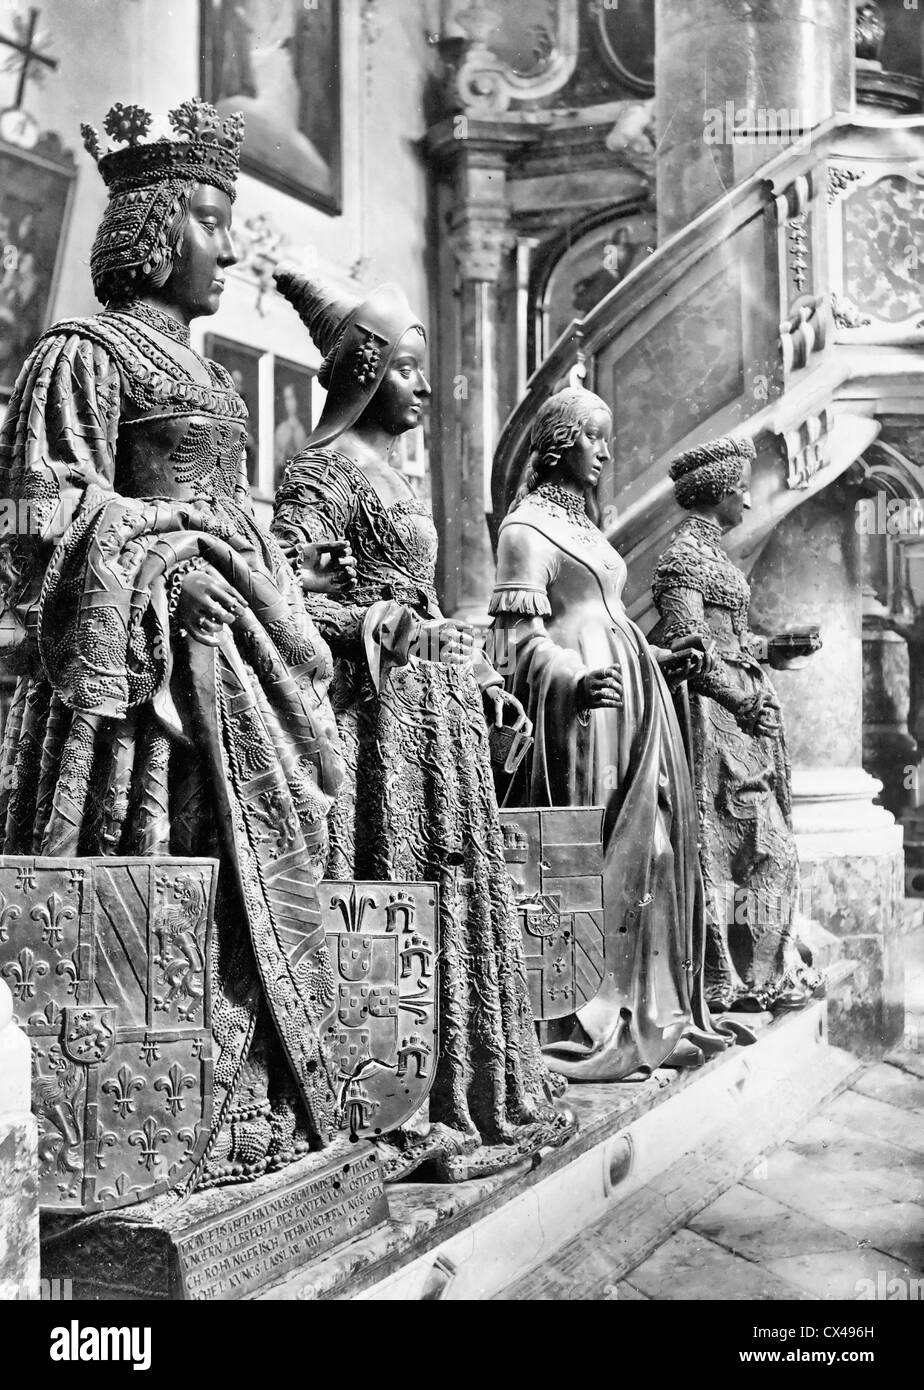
123	452
559	615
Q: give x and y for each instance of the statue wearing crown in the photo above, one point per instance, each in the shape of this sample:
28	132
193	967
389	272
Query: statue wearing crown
170	755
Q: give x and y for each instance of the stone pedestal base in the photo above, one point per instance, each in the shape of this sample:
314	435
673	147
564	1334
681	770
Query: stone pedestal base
649	1154
913	825
853	885
19	1230
222	1243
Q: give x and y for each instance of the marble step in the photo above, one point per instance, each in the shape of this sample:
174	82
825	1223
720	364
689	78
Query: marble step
649	1155
589	1266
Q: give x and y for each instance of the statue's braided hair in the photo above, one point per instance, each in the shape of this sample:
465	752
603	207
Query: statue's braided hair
555	431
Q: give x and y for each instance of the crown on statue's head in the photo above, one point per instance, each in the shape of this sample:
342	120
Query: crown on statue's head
207	149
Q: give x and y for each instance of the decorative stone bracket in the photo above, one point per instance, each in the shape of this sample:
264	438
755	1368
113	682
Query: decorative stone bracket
806	449
804	331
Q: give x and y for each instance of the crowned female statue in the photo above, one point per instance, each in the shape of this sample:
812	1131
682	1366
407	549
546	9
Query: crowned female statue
740	763
172	691
418	802
605	734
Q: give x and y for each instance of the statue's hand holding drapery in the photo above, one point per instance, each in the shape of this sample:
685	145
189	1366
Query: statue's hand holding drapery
315	505
126	736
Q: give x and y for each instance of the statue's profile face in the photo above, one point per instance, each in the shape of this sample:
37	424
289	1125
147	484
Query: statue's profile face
398	403
203	253
583	463
734	504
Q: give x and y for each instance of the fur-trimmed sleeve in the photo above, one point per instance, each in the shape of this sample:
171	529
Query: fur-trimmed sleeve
526	565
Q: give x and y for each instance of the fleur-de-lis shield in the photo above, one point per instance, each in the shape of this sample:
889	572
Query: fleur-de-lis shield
106	961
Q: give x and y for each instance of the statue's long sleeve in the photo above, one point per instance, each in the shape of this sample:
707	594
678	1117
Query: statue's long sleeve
543	675
312	505
682	614
57	455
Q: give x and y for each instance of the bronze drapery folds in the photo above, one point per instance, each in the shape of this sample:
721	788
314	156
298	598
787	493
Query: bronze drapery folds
127	736
740	762
560	623
418	802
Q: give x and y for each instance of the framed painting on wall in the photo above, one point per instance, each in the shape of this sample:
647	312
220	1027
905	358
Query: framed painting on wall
35	198
243	363
292	416
278	62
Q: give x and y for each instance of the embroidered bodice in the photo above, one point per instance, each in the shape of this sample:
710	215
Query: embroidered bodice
698	589
695	563
554	562
325	496
181	425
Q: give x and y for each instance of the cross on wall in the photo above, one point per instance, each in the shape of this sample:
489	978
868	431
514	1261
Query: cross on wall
23	45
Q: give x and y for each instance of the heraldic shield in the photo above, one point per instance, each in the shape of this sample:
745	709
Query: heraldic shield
106	960
382	943
554	857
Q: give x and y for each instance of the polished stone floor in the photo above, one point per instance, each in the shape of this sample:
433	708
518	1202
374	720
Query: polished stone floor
837	1213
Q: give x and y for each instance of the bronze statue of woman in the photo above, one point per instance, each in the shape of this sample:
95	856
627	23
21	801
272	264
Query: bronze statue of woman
741	767
605	734
418	802
172	696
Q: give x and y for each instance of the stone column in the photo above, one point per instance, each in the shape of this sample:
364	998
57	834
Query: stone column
723	66
19	1233
850	849
481	237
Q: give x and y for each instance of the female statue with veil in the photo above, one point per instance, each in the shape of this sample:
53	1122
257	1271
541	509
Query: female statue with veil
418	802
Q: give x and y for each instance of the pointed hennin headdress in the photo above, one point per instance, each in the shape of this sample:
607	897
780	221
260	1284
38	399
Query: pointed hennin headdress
357	337
145	179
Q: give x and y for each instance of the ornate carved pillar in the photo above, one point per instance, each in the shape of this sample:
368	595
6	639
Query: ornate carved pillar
481	238
19	1237
735	82
850	849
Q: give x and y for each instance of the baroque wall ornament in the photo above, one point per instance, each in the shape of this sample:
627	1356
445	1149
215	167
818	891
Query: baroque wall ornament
793	208
260	247
480	244
846	314
840	177
803	332
480	82
806	449
797	233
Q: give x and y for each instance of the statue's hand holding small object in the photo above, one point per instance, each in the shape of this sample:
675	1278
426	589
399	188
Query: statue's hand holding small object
601	689
767	724
326	567
443	640
207	604
790	651
503	701
692	655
